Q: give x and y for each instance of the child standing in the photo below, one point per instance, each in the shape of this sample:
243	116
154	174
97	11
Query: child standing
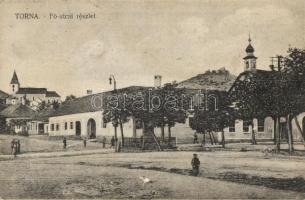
195	164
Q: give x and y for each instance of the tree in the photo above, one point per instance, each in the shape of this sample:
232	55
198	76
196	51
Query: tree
273	93
55	105
214	117
294	71
154	107
248	95
42	105
70	98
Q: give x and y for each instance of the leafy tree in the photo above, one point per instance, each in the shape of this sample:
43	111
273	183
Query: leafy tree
275	93
214	117
42	105
154	107
70	98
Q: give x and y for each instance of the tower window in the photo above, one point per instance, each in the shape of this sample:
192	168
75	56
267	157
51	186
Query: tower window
13	88
247	65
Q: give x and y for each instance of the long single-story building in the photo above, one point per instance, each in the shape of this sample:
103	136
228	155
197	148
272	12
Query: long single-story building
16	118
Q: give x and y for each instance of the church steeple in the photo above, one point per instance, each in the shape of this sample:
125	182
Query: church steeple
250	59
15	83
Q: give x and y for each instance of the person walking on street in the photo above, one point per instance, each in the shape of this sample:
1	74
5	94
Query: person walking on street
195	138
195	164
15	149
85	142
112	142
12	146
104	142
18	146
65	142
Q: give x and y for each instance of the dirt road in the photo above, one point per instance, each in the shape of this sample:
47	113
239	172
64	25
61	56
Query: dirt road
116	175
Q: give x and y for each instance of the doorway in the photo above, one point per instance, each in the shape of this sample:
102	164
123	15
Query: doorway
78	128
91	128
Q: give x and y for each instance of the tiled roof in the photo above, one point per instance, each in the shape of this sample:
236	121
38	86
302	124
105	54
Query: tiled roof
30	90
17	111
44	114
259	76
3	95
14	79
52	94
84	104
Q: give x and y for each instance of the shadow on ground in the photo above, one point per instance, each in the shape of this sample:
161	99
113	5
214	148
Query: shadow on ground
293	184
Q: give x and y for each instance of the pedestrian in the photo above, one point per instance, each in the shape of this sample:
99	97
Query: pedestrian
104	142
112	142
195	164
195	138
65	142
15	149
85	142
18	146
12	146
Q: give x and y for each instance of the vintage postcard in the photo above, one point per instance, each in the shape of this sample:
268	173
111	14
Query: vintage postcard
152	99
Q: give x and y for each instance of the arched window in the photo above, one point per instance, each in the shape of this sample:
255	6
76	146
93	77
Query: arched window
247	64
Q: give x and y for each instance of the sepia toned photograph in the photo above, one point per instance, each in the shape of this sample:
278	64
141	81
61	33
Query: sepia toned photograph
152	99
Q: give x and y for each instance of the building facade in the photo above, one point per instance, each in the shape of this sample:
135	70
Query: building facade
35	96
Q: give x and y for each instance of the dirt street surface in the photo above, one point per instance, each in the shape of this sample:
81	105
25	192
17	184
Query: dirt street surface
117	175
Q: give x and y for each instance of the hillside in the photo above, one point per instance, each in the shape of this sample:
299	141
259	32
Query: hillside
220	79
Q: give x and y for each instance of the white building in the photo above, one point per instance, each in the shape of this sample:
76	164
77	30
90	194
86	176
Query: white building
34	95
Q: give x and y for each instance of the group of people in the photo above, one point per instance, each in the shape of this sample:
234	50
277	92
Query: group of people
15	147
104	141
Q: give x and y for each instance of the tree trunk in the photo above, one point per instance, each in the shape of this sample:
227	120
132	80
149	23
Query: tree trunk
162	132
214	140
143	135
203	140
223	142
253	140
211	139
122	132
299	129
134	127
157	142
274	130
289	133
115	132
277	132
169	135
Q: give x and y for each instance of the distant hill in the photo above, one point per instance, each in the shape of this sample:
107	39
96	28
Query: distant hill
220	79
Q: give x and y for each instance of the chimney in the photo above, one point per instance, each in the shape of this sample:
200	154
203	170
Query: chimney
157	81
89	92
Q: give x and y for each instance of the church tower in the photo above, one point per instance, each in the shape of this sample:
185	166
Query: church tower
250	59
15	85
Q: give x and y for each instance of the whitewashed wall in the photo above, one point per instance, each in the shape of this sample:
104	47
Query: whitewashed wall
240	134
84	118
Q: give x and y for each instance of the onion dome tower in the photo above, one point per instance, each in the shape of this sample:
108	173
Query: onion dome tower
250	59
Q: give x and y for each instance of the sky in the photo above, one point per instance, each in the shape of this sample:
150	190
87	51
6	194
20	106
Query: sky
135	40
